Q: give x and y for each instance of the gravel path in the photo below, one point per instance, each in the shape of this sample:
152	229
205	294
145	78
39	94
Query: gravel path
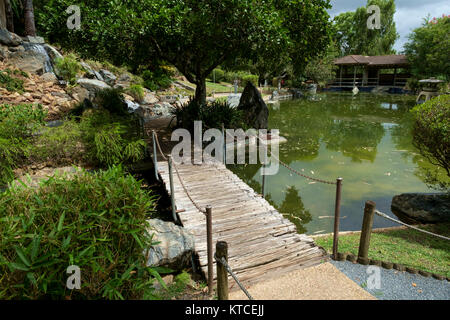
396	285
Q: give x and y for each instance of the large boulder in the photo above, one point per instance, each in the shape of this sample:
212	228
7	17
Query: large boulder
175	246
9	39
29	61
108	76
234	99
93	85
256	113
422	207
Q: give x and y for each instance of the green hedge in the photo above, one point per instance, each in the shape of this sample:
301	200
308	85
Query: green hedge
96	221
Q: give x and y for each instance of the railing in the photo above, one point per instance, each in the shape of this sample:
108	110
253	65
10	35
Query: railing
398	81
221	258
364	244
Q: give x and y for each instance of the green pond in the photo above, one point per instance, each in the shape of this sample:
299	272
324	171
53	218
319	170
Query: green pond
365	139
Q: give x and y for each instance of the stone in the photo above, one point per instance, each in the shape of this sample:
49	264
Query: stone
9	39
80	94
108	77
256	113
162	109
36	40
4	53
49	77
422	207
124	77
92	85
234	99
52	53
29	61
149	97
132	106
89	72
175	246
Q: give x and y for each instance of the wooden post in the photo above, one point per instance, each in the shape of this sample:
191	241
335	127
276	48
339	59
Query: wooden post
222	275
263	180
224	137
337	213
209	242
395	76
340	76
366	230
155	155
354	76
172	191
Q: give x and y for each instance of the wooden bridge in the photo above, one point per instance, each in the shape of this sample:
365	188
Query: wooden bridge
262	243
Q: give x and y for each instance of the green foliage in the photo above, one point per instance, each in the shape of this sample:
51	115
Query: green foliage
217	75
136	91
213	115
431	131
250	78
155	80
97	222
112	100
10	83
428	49
68	67
17	126
322	69
353	37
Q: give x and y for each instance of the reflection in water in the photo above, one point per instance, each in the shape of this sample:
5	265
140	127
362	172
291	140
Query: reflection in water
364	139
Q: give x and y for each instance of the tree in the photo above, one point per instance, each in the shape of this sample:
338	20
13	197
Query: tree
195	36
322	69
9	16
30	28
353	36
431	133
428	49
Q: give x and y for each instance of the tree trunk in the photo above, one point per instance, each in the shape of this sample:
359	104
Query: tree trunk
9	16
30	28
200	91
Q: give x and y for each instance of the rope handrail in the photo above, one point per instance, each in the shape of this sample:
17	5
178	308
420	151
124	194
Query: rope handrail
179	176
383	215
230	271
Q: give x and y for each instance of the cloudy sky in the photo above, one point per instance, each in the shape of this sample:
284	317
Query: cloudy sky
409	15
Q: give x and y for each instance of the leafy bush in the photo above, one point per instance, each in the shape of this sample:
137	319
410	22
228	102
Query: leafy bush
68	68
113	101
218	75
12	84
213	115
431	133
137	92
17	126
155	80
250	78
97	222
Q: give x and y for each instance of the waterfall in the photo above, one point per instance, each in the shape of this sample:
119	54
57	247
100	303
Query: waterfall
39	49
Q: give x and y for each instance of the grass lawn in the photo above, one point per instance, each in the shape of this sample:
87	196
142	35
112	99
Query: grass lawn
408	247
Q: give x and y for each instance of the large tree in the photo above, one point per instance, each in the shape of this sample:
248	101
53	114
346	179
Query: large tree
30	28
354	37
428	49
194	35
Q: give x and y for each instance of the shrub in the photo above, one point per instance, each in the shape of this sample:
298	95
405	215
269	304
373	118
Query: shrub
17	126
113	101
97	222
10	83
431	133
68	68
218	75
158	79
213	115
137	92
250	78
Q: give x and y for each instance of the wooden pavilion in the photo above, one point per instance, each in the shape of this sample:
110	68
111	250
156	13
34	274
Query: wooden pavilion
367	71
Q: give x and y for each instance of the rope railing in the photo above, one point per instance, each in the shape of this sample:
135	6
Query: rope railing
224	262
384	215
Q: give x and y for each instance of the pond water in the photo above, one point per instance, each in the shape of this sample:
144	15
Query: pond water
365	139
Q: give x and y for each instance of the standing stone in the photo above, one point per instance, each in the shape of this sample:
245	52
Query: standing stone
256	113
234	99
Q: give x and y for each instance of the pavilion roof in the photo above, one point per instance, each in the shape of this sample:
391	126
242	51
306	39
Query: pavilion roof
393	60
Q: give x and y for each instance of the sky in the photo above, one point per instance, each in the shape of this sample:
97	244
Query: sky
409	15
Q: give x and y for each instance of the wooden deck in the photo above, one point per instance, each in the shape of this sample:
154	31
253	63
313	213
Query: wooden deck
262	243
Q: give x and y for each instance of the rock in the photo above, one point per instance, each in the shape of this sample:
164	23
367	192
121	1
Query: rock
29	61
124	77
17	49
80	94
422	207
92	85
4	53
36	40
175	246
162	109
234	99
9	39
149	97
49	77
52	53
132	106
108	77
256	113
